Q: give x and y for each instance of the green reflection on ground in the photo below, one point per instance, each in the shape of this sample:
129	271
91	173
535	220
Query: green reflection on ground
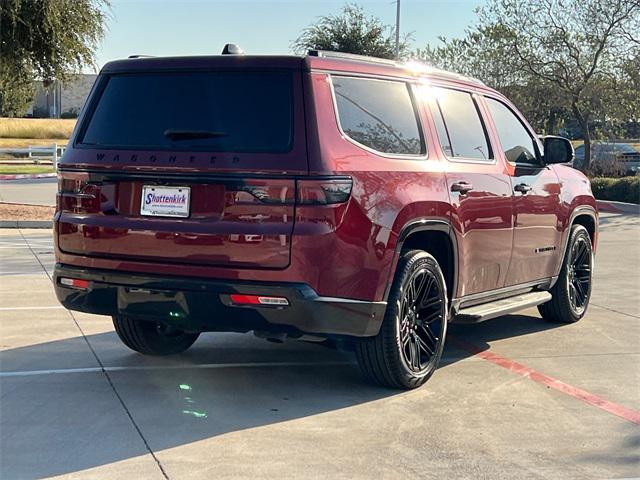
195	414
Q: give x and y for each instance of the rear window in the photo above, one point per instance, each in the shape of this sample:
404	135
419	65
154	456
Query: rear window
378	114
213	111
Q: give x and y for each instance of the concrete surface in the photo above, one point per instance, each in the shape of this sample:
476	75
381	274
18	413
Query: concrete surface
75	403
48	224
40	191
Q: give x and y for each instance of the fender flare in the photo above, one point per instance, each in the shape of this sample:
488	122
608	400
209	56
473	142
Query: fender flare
578	211
423	225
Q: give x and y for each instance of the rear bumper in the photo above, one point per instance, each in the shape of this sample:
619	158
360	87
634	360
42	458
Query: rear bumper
196	304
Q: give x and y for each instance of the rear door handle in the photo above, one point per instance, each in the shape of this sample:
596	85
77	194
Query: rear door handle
522	188
461	187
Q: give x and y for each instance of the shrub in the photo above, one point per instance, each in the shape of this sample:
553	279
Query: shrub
625	189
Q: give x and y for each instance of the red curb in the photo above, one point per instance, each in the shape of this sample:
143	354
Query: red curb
26	176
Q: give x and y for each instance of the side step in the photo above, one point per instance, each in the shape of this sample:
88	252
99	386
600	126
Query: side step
487	311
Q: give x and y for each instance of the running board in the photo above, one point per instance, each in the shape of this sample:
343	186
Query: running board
487	311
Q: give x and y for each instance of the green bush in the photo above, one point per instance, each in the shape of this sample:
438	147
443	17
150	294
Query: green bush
69	114
625	189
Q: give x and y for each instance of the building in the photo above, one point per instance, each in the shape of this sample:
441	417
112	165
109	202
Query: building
62	99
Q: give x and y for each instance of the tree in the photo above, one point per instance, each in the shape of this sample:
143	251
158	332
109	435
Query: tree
575	45
16	92
352	31
567	55
482	54
47	40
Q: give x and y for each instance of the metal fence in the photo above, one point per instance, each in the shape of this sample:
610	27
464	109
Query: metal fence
34	153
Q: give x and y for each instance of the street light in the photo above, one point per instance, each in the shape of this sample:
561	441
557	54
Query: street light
397	29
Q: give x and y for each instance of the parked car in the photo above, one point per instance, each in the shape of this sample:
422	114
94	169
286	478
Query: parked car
611	158
330	195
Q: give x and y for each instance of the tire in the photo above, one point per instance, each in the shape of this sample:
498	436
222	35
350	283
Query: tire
572	290
389	358
152	338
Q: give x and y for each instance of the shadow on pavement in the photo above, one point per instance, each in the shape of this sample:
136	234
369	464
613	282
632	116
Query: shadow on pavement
62	423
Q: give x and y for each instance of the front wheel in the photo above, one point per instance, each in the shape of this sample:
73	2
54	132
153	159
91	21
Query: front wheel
152	338
407	350
572	290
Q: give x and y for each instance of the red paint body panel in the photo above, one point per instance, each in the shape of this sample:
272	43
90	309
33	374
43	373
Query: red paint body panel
345	250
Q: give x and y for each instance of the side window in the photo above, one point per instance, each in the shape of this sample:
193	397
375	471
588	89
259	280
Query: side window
378	114
517	143
443	135
462	134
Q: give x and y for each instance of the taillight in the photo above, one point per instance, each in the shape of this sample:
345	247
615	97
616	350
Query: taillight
77	195
325	191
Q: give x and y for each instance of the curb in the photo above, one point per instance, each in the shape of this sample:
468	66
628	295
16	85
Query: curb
618	207
27	176
26	224
26	204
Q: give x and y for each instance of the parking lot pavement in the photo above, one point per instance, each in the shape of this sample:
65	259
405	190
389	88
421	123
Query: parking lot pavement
516	397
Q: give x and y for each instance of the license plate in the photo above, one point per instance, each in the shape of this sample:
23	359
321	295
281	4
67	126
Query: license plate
165	201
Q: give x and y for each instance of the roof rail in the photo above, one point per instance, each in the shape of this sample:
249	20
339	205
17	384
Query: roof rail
140	56
351	56
412	65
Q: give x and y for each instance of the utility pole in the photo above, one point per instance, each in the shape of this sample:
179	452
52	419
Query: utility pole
397	29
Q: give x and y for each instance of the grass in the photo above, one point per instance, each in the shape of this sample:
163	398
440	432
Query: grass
20	169
25	142
37	128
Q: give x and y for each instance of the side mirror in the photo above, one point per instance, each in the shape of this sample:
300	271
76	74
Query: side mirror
557	150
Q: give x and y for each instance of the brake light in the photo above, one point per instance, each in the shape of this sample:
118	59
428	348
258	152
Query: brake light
74	283
325	191
239	299
77	195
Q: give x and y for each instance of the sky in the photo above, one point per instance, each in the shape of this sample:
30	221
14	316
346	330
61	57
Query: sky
197	27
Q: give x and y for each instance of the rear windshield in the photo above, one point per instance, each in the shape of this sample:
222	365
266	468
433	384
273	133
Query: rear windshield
213	111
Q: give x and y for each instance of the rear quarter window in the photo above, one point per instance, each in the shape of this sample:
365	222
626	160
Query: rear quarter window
224	111
378	114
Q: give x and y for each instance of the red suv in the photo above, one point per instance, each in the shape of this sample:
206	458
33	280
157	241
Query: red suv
329	195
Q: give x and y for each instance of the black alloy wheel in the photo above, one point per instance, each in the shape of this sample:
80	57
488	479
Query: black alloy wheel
407	350
572	291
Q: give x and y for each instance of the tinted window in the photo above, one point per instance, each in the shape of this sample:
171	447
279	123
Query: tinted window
517	144
378	114
443	135
232	111
465	130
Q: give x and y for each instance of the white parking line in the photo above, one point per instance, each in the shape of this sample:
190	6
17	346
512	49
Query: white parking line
29	373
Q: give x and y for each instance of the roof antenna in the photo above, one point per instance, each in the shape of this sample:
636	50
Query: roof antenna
232	49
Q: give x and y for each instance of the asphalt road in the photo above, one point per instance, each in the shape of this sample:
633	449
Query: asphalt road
40	191
516	397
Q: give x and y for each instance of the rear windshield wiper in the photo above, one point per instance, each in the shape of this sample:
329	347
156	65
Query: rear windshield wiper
192	134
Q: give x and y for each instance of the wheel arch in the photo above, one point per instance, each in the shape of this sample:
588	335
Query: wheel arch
586	216
588	220
435	236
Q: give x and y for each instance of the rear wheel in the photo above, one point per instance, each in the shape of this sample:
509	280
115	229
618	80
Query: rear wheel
572	290
152	338
407	350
